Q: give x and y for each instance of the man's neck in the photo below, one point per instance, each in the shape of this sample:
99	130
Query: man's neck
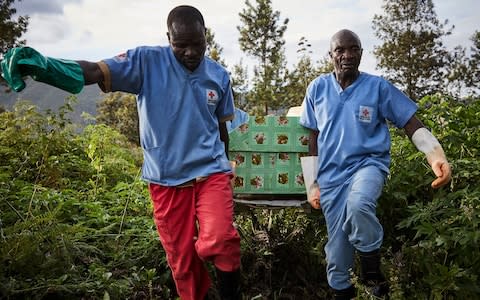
345	80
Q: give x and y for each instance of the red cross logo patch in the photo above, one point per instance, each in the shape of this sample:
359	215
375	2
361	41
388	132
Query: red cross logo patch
121	57
212	96
365	114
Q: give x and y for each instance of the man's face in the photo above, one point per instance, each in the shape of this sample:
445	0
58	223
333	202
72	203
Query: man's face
188	44
346	53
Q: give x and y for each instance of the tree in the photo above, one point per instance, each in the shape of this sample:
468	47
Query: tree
412	54
261	37
474	62
214	50
239	79
459	73
301	75
119	111
464	71
10	30
325	65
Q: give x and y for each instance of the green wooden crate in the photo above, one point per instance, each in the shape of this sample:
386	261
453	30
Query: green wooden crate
267	153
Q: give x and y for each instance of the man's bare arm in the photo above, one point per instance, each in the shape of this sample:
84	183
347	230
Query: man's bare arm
224	135
312	143
92	73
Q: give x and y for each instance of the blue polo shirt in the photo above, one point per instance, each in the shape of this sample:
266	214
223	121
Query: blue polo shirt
352	124
178	110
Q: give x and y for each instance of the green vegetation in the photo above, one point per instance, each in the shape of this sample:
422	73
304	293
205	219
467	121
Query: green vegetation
76	219
261	37
412	53
11	29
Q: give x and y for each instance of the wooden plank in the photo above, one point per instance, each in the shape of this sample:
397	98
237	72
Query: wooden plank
279	203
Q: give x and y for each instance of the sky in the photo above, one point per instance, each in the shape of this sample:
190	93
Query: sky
93	30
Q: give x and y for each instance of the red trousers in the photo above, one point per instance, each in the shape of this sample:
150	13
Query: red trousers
195	224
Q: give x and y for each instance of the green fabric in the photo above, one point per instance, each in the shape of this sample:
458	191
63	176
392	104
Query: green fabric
25	61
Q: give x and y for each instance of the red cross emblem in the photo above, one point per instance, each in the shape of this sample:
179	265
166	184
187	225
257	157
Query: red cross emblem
211	95
365	112
121	57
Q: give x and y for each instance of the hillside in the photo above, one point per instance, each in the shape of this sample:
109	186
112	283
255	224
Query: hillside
48	97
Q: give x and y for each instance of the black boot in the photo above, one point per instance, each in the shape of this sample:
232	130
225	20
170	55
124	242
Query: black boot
229	284
371	275
345	294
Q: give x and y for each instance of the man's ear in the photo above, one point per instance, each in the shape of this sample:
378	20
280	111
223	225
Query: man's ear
168	36
330	54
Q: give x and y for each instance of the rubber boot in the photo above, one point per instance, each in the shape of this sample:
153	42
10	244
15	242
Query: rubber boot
345	294
229	284
371	275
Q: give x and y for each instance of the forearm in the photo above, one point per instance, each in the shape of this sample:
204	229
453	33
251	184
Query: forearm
91	72
312	143
412	125
428	144
224	135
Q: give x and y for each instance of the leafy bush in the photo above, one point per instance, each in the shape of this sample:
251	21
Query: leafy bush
75	219
433	235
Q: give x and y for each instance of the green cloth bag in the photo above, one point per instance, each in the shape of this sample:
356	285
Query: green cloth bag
25	61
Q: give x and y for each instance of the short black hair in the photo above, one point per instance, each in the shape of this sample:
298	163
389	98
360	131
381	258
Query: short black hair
185	14
344	32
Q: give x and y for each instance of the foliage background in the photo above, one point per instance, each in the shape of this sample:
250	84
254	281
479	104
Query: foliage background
76	220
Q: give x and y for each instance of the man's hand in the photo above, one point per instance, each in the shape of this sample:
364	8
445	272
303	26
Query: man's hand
440	166
309	169
25	61
313	196
10	69
233	164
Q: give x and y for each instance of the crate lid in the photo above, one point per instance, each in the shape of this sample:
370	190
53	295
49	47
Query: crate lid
270	134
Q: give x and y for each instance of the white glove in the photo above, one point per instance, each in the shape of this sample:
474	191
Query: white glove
309	170
428	144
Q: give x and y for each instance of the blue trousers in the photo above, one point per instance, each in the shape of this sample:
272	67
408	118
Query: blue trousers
350	214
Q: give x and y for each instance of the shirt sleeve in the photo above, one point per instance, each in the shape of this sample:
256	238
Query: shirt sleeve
225	110
395	106
307	119
125	71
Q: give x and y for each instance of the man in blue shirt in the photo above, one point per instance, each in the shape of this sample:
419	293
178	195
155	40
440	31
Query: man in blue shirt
183	100
346	112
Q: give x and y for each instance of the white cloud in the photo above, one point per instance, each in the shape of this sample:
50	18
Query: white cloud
93	30
30	7
53	29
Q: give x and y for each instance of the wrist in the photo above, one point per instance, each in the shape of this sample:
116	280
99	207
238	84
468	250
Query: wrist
435	155
425	142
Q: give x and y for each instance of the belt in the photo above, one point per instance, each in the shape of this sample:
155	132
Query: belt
192	182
